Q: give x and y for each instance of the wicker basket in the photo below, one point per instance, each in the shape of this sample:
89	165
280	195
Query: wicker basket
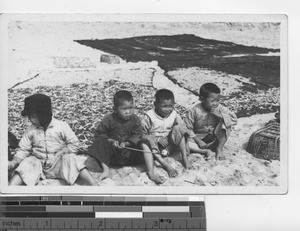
265	143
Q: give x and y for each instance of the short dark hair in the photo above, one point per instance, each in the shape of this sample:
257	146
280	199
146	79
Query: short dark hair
121	96
163	94
207	88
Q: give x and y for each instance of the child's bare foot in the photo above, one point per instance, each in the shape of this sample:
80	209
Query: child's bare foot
186	163
209	154
171	171
103	176
157	179
220	155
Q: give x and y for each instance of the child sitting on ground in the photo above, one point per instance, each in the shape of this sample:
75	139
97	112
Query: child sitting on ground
209	123
47	149
165	131
116	133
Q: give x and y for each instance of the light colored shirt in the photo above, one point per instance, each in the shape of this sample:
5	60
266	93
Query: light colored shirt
155	125
198	119
40	143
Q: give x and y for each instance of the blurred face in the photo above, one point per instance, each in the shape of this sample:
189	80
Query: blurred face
211	102
34	120
125	110
164	107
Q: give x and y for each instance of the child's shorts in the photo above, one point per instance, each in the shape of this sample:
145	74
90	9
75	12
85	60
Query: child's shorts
210	141
66	167
174	138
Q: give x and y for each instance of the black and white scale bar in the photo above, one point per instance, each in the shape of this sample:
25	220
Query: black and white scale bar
103	211
102	201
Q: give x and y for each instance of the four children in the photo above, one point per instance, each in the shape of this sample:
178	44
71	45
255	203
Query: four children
48	147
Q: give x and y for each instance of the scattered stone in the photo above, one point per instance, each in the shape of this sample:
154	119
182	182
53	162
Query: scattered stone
110	59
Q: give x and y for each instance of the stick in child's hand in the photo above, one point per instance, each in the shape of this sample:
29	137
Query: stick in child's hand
138	150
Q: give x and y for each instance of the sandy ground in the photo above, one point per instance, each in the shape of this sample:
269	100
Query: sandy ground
45	53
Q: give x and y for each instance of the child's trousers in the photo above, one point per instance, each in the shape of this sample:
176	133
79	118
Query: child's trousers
104	152
66	167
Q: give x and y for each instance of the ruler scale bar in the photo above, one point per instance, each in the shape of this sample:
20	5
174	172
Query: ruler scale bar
102	213
112	224
70	223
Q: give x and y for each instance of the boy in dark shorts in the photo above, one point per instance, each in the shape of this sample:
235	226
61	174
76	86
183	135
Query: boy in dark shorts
116	132
209	123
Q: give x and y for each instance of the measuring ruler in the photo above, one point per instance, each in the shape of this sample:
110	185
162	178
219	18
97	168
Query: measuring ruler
102	213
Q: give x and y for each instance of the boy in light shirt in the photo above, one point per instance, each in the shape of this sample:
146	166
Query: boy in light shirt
165	131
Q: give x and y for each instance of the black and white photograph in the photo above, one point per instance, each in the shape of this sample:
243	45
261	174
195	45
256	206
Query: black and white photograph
139	103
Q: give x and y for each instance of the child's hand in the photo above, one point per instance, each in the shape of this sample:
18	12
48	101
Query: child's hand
11	165
199	142
114	143
155	151
163	141
124	144
209	129
47	164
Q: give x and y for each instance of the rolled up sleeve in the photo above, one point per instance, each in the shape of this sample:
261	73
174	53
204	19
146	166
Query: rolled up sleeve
146	126
228	116
189	122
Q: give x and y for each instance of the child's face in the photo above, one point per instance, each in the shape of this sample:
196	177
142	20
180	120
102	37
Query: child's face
211	102
34	120
125	110
164	107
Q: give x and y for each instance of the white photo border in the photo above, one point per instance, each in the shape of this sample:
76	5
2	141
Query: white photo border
146	190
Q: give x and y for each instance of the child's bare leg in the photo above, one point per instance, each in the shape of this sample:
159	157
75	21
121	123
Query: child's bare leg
87	177
194	148
166	166
221	142
183	151
149	165
16	180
